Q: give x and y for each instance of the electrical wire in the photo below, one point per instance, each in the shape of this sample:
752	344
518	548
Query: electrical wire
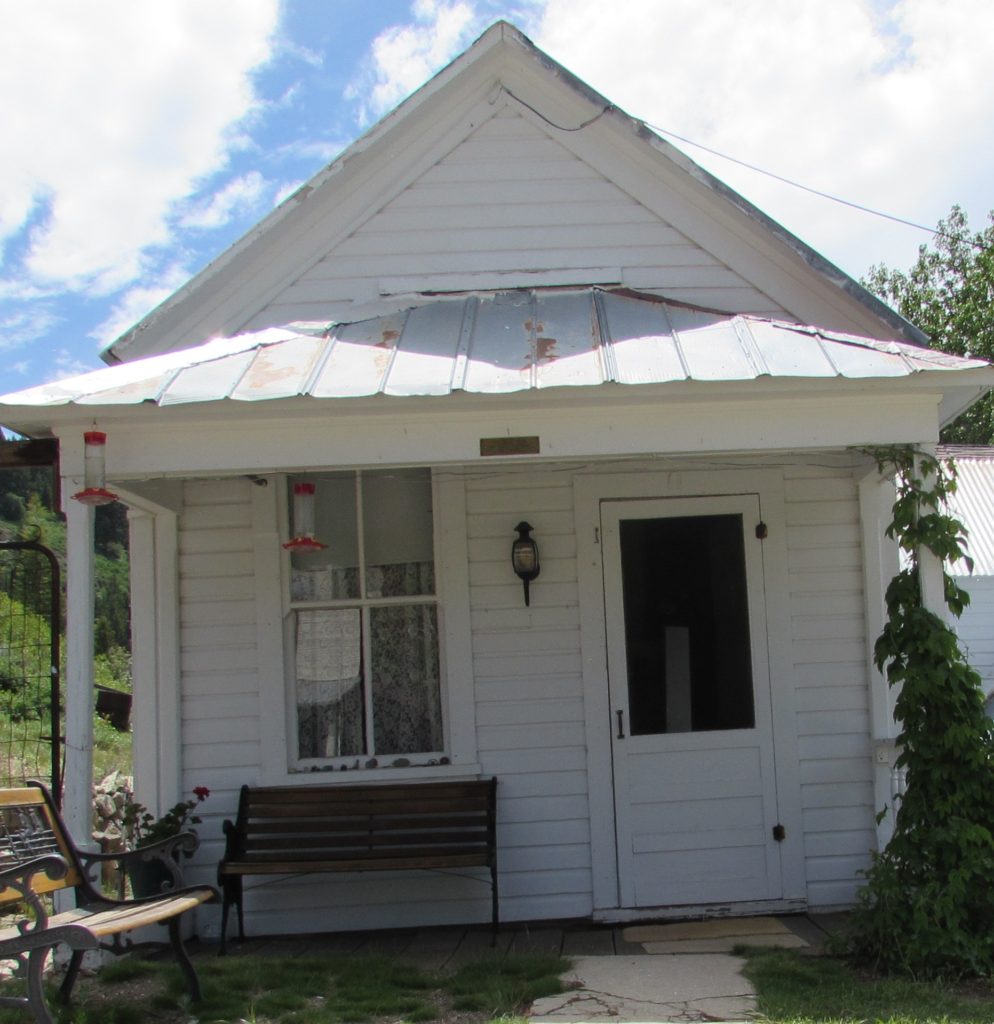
935	232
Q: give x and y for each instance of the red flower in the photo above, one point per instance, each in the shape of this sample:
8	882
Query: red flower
201	792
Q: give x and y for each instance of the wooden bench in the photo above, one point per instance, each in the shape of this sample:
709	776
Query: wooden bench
292	830
38	858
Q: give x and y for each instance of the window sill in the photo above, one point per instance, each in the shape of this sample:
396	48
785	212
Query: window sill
411	773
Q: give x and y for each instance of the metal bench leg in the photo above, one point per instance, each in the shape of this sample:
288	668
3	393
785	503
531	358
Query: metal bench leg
72	973
36	989
183	959
231	889
225	906
495	909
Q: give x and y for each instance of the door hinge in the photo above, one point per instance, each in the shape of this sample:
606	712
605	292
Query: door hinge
779	833
597	535
762	532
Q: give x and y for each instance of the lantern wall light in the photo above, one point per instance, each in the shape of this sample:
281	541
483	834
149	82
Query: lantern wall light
524	557
94	490
303	538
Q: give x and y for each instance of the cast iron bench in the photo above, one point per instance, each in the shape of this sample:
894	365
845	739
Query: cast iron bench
292	830
38	858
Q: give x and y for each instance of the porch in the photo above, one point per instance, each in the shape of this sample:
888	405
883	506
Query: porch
448	947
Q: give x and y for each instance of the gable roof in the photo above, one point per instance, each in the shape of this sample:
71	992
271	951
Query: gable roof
504	74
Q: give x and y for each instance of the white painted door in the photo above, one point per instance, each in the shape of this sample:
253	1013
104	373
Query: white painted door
693	745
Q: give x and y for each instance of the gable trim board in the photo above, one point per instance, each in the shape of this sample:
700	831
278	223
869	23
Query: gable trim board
501	66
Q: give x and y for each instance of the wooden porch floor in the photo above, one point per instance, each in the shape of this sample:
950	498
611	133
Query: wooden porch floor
436	948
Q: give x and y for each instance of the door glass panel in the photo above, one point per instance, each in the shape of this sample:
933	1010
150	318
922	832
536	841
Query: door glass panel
686	624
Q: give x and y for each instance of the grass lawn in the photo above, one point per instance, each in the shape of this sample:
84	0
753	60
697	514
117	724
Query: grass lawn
796	989
309	990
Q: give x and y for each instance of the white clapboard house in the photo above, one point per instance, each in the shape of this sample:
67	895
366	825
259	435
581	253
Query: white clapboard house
510	302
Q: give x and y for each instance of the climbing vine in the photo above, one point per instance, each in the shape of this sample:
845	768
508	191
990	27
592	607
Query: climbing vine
927	908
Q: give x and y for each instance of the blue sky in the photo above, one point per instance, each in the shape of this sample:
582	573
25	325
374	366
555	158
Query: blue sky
142	138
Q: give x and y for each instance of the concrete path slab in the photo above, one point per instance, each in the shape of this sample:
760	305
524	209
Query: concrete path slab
642	989
725	944
714	927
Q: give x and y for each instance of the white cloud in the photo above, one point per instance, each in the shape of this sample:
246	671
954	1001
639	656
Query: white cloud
403	57
124	106
136	302
65	364
286	190
887	105
23	326
238	196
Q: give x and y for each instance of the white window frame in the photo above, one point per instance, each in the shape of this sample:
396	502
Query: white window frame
280	763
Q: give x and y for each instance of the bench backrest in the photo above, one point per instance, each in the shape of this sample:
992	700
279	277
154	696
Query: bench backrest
30	827
367	820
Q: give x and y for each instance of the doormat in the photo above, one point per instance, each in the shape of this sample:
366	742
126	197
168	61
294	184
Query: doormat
716	935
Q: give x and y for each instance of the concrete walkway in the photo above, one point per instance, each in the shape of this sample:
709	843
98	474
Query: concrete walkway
673	987
621	974
690	974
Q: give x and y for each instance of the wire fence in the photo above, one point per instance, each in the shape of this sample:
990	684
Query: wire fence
30	699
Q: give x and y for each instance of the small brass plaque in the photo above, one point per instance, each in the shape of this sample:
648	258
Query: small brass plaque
509	446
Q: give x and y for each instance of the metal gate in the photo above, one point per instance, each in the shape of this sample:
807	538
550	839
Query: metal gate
30	704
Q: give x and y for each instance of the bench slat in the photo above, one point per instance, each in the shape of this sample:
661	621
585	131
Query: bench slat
111	920
303	865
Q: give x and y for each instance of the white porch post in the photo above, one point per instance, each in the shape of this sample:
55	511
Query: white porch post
930	570
880	564
78	794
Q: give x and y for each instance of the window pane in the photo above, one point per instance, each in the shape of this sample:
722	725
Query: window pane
332	572
397	531
686	624
407	711
330	707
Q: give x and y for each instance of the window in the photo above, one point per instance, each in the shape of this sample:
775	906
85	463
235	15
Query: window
364	623
687	624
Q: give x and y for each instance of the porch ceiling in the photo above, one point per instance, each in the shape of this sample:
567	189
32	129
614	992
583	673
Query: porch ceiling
492	344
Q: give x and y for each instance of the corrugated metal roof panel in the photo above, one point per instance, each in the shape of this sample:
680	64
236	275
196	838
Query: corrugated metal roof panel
640	350
492	344
280	371
204	381
973	503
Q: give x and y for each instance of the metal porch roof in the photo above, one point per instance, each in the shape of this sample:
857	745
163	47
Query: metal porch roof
491	344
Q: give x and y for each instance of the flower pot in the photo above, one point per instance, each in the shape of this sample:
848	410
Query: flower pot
148	877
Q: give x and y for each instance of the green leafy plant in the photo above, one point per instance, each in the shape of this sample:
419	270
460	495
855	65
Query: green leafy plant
142	827
927	908
947	294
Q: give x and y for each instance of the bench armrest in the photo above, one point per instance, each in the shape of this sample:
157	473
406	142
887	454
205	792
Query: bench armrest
184	842
18	877
165	852
52	864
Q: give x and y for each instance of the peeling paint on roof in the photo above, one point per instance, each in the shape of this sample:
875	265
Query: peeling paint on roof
492	344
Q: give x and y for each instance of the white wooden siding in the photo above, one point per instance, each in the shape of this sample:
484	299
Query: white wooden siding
220	684
529	701
529	692
508	208
831	697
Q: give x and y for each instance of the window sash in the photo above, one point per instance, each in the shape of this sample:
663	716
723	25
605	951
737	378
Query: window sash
433	706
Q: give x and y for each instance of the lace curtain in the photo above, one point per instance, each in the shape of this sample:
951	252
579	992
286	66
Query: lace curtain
403	671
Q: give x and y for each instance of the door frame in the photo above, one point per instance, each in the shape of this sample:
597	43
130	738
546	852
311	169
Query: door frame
589	490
